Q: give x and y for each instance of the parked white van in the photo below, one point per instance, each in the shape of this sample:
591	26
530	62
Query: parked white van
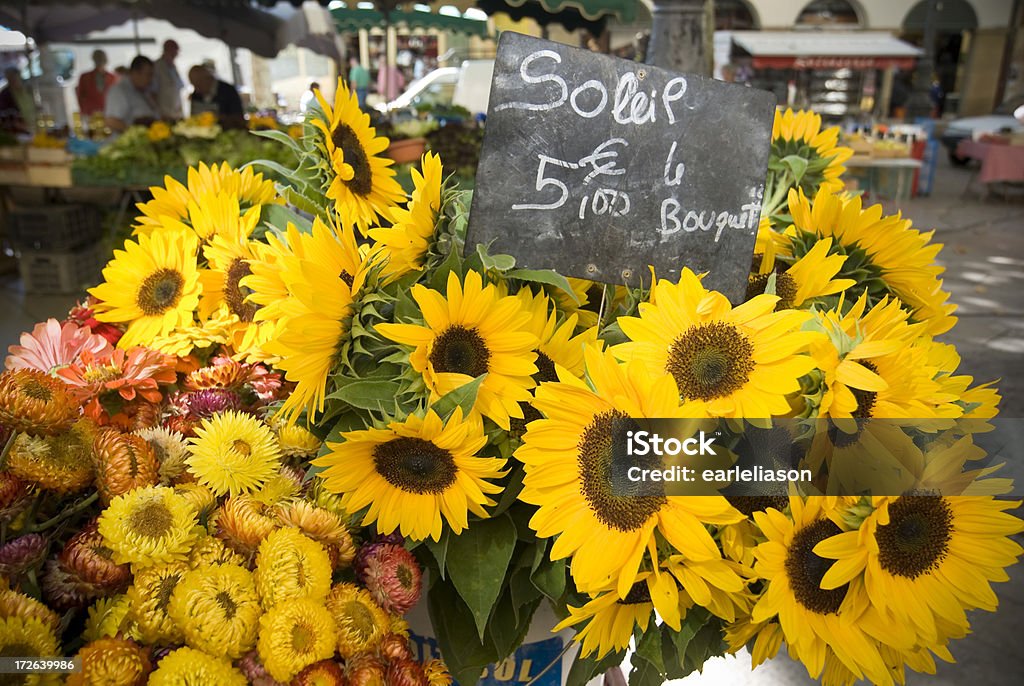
468	85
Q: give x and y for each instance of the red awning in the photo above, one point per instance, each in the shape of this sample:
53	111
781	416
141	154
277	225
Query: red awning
825	49
833	62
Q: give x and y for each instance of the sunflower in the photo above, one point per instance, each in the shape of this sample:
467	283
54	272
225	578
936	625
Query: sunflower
925	559
800	134
727	361
291	566
35	403
322	287
360	181
473	331
569	459
809	278
294	635
611	619
869	367
556	343
152	285
360	621
412	473
883	253
148	526
204	182
228	263
217	609
191	667
198	336
233	453
111	661
403	247
814	619
21	637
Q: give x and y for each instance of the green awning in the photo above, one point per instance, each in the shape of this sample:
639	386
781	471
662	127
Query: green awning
624	10
354	19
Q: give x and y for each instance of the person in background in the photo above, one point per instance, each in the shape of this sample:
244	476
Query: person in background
309	97
17	106
210	94
168	83
130	100
93	86
390	81
358	80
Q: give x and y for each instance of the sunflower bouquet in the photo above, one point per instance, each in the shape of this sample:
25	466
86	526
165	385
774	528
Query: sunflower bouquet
289	411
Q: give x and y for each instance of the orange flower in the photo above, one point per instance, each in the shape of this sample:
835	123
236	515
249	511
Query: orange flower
87	558
112	661
132	374
34	403
123	462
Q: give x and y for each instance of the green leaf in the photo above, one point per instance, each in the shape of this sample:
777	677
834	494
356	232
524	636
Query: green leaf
276	167
367	395
521	588
771	284
508	635
648	649
279	216
452	263
439	549
584	669
500	262
549	578
483	551
464	396
465	654
797	166
280	137
547	276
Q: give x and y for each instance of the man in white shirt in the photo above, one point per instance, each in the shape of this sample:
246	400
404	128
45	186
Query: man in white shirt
167	83
129	101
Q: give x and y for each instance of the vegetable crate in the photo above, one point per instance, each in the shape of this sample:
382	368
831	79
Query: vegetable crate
45	273
57	228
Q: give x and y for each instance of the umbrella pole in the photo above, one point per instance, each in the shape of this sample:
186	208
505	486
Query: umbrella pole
135	32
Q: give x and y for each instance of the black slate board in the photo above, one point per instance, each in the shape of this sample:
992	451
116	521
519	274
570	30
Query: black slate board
582	171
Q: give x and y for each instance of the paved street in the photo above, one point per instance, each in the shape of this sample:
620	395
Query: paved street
984	257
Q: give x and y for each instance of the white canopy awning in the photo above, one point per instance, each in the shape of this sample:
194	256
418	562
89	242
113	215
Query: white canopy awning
826	49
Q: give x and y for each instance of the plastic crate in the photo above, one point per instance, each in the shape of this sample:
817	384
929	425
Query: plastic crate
46	273
56	229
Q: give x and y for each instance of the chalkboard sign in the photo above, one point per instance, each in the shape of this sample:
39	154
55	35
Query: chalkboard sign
598	167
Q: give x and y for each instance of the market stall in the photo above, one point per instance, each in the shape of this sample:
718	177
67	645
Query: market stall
832	72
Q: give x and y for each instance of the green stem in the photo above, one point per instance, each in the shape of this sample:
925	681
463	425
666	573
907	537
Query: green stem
7	448
779	194
66	514
558	658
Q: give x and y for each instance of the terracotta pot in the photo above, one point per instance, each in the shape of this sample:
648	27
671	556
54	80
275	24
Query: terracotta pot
408	150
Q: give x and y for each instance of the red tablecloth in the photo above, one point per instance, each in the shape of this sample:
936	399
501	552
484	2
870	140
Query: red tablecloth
999	162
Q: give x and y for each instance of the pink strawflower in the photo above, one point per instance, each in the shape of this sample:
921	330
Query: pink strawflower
393	577
51	346
21	554
211	401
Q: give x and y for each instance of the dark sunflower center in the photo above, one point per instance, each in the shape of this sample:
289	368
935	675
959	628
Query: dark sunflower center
227	604
805	569
415	465
545	369
160	291
604	461
517	427
36	390
916	539
347	141
865	399
360	620
152	520
347	278
235	294
710	361
459	350
749	504
785	287
638	594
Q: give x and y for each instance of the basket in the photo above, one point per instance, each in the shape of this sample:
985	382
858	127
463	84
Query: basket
57	228
45	273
